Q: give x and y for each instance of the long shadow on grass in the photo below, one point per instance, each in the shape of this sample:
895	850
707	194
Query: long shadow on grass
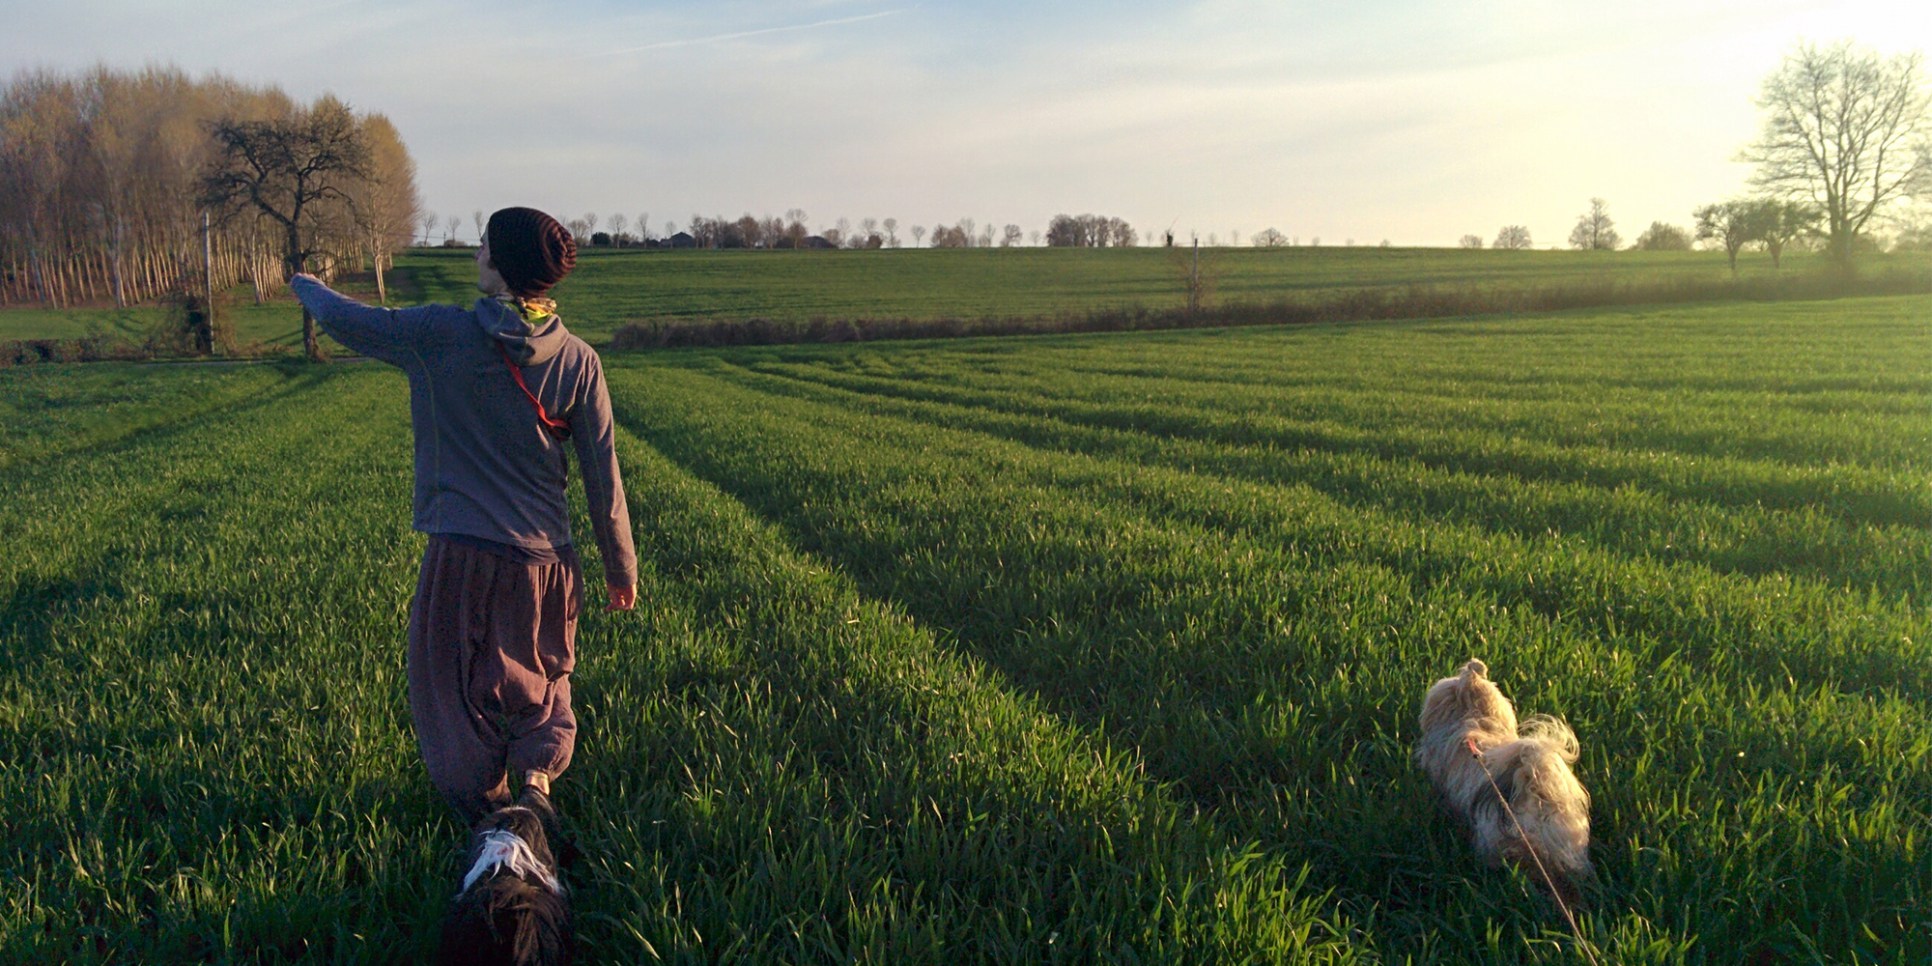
1472	499
796	779
1855	494
1096	654
41	602
1607	594
211	420
139	853
181	796
1253	721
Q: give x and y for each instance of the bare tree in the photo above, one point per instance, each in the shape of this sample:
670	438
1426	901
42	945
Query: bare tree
918	235
1846	131
450	225
704	231
891	232
953	236
1781	222
750	231
1197	274
1471	241
390	201
287	170
1269	238
1732	224
1011	235
617	225
1594	230
1085	231
429	224
476	218
795	230
1512	238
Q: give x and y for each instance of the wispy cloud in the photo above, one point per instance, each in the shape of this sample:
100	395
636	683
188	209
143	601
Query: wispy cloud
742	34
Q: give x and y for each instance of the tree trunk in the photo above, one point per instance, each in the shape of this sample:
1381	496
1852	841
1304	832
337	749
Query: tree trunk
382	291
120	275
292	261
1840	245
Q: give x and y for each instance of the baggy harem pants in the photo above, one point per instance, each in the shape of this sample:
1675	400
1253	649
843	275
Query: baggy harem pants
492	643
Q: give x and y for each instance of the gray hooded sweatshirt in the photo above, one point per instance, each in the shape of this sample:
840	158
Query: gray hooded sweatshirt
485	467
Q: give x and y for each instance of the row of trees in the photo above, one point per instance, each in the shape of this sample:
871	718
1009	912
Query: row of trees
1847	136
791	231
108	178
1510	237
1089	231
1774	223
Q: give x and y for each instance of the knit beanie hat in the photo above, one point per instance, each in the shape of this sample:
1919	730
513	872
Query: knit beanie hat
530	250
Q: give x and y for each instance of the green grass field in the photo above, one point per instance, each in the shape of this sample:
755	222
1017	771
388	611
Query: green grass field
1047	649
610	287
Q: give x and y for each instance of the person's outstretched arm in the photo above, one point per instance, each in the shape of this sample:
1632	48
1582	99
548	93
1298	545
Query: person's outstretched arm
594	433
379	333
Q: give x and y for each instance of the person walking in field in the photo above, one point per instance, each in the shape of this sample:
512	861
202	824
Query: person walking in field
495	393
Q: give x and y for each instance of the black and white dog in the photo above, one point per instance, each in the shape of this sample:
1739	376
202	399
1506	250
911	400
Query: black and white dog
513	907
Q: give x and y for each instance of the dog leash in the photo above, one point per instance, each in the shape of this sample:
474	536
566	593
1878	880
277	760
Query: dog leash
1582	943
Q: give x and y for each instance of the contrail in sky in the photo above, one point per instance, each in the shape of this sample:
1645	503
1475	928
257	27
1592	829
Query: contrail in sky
716	38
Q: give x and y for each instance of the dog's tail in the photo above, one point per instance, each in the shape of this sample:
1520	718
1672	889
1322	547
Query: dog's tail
1553	734
1551	806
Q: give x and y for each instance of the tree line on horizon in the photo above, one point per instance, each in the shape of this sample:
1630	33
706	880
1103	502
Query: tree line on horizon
790	231
108	177
1847	137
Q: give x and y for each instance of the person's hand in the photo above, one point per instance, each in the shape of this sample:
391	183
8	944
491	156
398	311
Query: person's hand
621	598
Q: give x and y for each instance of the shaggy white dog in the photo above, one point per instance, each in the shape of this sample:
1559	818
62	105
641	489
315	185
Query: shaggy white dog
1511	786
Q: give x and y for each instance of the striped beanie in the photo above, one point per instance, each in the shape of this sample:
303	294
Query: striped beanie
530	250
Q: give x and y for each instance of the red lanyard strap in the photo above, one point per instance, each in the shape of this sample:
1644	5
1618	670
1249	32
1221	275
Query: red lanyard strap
552	425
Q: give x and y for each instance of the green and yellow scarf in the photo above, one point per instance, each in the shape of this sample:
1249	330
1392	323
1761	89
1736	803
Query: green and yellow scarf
532	310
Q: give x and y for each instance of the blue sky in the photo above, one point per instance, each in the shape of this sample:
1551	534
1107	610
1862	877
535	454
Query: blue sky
1408	121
